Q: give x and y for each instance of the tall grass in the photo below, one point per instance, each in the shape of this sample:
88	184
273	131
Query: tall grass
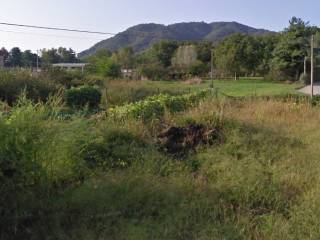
96	178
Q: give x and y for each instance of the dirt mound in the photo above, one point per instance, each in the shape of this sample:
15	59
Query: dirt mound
181	140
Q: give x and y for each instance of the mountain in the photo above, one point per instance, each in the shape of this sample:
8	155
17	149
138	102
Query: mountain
142	36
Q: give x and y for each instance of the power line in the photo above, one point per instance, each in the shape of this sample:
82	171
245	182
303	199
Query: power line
49	35
56	29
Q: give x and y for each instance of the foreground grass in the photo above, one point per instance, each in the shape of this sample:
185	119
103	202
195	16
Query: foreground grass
99	179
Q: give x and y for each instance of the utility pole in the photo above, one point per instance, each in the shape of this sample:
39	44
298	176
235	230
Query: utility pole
312	65
211	68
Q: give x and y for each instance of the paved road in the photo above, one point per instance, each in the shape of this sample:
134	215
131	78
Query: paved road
307	90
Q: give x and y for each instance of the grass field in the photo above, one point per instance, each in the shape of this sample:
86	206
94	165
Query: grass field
121	92
100	177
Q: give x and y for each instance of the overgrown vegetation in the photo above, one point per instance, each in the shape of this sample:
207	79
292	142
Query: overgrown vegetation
90	156
91	178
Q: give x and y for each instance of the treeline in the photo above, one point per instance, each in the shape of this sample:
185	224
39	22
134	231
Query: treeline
27	59
277	56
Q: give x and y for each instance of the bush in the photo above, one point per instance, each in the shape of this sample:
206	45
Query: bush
12	84
83	96
115	149
198	69
305	79
155	106
155	72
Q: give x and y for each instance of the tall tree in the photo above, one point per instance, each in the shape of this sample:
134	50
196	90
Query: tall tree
4	54
15	57
67	55
125	57
237	54
292	48
50	56
29	59
164	51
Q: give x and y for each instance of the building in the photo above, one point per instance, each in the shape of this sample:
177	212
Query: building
70	66
128	73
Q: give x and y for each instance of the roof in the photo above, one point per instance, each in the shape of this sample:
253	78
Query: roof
70	65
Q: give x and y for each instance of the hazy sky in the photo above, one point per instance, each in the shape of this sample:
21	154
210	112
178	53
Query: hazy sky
118	15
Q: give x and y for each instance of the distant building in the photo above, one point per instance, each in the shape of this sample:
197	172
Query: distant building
128	73
70	66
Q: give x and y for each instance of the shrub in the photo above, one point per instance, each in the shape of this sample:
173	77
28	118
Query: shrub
155	106
12	84
305	79
155	72
83	96
115	149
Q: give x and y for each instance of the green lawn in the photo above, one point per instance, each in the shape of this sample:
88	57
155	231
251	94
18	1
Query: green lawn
240	88
122	92
255	87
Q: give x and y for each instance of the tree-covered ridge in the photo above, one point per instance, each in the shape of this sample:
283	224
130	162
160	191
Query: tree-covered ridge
142	36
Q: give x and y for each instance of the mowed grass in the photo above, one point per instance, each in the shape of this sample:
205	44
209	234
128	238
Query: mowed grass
255	87
122	91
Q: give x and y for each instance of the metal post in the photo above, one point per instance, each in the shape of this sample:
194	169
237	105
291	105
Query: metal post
312	65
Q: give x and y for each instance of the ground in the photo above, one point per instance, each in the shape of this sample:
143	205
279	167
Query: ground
307	89
97	177
239	88
123	92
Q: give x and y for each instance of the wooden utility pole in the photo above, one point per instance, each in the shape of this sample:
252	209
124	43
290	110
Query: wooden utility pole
312	65
211	68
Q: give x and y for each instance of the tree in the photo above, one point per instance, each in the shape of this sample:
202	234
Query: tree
67	55
125	57
15	57
204	51
29	59
4	53
267	44
238	54
50	56
293	47
198	69
104	65
164	51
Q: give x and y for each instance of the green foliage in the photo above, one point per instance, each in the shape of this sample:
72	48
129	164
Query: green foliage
238	54
83	96
164	51
15	57
292	48
12	84
103	65
116	148
60	55
154	72
154	107
198	69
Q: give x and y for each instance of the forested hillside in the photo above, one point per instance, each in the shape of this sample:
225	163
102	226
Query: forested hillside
142	36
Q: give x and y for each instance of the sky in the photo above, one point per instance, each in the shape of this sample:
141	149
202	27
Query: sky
117	15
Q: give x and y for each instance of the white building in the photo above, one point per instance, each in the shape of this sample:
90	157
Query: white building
70	66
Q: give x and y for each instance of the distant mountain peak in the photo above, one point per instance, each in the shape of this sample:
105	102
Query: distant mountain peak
142	36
